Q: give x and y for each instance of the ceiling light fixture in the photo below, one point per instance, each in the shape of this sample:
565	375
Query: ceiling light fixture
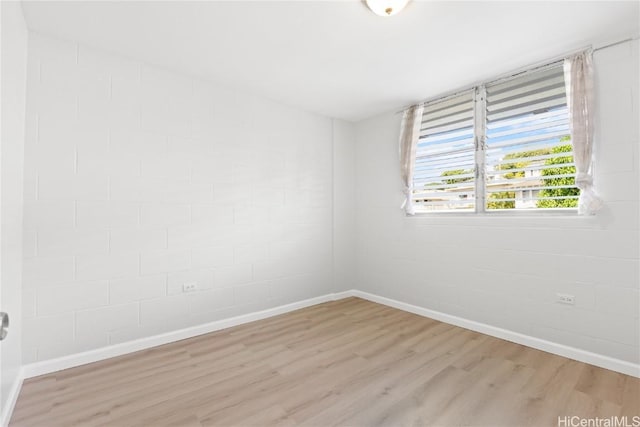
386	7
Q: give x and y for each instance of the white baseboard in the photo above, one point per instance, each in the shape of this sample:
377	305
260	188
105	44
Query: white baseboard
73	360
54	365
505	334
7	411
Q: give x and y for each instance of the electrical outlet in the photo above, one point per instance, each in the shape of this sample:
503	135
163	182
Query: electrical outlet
566	299
189	287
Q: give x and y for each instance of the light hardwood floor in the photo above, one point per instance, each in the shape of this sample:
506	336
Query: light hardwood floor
349	363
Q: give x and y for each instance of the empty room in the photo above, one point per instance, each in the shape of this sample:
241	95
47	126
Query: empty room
320	213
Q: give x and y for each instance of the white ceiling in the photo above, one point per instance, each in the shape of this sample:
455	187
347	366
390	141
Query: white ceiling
336	57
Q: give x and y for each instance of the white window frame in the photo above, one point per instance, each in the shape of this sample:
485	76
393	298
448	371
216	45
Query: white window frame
480	127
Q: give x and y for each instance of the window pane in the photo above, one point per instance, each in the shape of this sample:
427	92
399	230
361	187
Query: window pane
444	176
529	158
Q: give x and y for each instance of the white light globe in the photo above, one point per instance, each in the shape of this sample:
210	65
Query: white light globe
386	7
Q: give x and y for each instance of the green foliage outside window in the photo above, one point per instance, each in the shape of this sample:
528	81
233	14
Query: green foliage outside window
457	172
519	162
494	201
554	182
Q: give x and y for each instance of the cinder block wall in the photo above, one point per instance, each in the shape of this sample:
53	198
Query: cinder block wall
138	180
505	271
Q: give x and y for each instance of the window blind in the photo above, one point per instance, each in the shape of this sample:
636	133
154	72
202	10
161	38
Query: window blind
528	153
445	171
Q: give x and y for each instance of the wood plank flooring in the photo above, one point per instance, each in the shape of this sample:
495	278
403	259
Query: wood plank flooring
348	363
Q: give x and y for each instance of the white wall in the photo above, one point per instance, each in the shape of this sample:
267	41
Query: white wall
506	271
138	180
344	205
13	87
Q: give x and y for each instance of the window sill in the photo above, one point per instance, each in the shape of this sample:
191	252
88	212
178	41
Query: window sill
508	213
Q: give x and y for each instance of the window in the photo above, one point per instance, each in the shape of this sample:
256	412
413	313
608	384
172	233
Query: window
445	169
501	146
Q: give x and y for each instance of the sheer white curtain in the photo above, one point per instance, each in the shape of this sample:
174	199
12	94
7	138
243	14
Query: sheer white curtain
578	75
409	134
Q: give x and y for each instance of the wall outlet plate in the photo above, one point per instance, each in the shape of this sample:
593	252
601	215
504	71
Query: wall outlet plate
566	299
189	287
